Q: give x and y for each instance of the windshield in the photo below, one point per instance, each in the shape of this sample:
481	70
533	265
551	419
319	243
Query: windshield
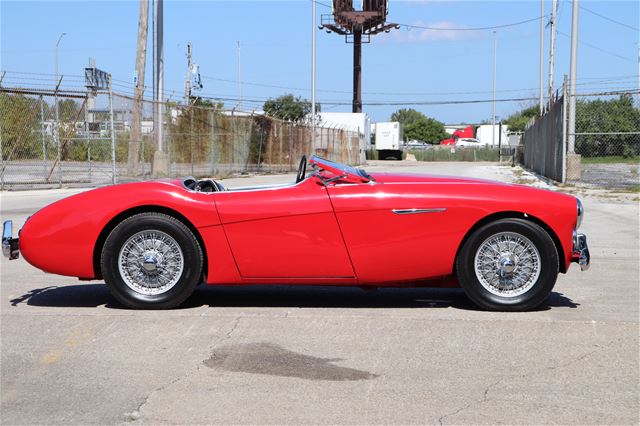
342	171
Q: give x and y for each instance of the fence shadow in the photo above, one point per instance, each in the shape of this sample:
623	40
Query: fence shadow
277	296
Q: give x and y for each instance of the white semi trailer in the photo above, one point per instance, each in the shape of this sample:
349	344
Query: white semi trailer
389	140
491	135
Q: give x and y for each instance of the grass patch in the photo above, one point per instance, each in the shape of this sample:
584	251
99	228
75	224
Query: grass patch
610	159
458	154
632	188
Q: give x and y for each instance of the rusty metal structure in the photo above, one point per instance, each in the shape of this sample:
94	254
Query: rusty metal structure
357	26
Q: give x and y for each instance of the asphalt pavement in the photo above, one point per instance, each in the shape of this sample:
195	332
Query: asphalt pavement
70	354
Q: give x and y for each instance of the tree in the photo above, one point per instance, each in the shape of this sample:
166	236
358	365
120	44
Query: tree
19	121
425	129
418	126
607	116
289	107
517	122
406	116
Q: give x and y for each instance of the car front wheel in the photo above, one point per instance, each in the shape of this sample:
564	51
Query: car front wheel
508	265
151	261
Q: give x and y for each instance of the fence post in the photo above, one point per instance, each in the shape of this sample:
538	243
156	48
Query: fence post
191	107
113	134
564	129
212	140
280	144
260	148
44	144
89	159
57	133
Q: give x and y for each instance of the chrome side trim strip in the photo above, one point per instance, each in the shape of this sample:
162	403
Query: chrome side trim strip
418	211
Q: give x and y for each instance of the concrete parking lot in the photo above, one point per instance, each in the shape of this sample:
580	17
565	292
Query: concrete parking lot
284	355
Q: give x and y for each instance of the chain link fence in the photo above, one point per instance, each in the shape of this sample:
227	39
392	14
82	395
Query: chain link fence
45	145
608	140
54	138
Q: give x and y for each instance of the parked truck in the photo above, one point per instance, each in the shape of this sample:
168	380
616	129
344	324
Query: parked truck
389	140
483	133
467	132
487	134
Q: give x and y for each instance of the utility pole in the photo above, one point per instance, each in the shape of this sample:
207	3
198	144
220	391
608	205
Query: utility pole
239	82
313	75
160	158
541	56
552	47
136	116
495	51
571	142
357	69
187	79
573	160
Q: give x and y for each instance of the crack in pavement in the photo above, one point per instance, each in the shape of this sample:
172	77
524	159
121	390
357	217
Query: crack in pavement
485	396
136	414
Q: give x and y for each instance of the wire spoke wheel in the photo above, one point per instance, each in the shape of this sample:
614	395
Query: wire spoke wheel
151	262
507	264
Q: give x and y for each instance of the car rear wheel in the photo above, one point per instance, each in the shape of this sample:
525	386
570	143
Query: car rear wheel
151	261
508	265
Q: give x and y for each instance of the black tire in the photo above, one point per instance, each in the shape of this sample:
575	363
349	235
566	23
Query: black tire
532	294
180	235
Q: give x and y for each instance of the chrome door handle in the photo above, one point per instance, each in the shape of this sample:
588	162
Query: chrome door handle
418	211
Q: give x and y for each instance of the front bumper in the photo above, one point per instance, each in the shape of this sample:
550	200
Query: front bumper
10	247
581	251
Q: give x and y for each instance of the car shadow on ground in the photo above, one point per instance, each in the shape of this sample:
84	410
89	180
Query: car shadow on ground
277	296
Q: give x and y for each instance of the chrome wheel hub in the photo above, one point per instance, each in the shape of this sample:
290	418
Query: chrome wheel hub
150	262
507	264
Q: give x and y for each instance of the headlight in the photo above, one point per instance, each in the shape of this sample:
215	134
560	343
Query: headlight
580	213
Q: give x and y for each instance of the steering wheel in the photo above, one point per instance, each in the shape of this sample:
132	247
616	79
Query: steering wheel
302	169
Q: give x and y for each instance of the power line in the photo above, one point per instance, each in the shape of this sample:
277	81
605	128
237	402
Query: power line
322	4
591	83
609	19
495	27
601	80
598	48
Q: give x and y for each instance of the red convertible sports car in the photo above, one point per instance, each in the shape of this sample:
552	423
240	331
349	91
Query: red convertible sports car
154	242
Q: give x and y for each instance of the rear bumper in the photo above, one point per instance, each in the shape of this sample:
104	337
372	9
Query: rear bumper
10	247
581	251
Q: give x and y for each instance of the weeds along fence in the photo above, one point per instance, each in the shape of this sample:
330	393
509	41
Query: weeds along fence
448	153
52	138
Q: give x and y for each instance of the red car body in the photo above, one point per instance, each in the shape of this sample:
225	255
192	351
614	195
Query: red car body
331	228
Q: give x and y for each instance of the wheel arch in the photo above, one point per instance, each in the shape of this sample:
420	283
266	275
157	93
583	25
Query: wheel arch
516	215
102	237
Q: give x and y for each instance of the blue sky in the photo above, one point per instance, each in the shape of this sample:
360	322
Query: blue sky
405	65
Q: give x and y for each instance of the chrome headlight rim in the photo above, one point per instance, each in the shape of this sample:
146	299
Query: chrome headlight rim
580	212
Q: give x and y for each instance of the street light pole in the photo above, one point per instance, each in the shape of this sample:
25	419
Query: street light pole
493	128
55	54
57	109
313	75
573	66
541	56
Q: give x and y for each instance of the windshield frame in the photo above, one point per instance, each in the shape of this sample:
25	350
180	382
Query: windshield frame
341	172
